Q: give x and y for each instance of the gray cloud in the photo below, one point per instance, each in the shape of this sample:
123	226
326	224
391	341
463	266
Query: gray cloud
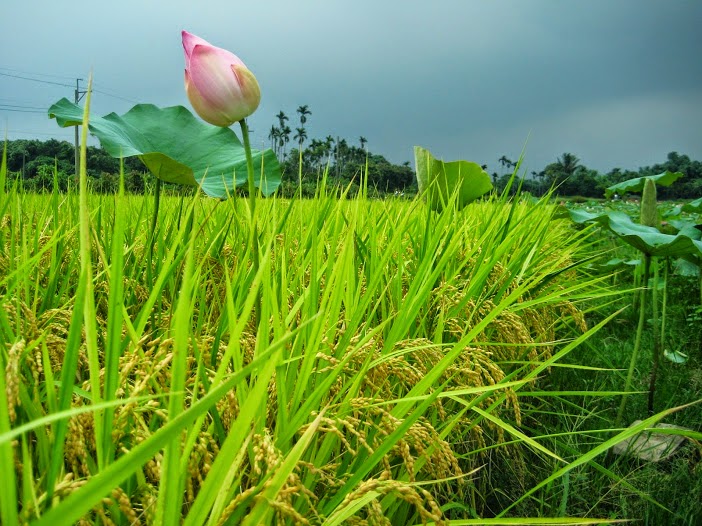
616	83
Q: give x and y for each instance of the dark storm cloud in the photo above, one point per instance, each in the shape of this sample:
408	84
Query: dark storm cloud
616	83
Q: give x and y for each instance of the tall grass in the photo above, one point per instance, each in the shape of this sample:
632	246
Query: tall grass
380	380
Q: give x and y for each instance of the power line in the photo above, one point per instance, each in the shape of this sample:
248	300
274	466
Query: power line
7	101
21	132
115	96
103	91
36	74
36	80
22	111
22	106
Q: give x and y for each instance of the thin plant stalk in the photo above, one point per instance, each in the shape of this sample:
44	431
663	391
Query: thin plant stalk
656	342
89	313
114	317
8	491
154	226
253	239
3	170
249	166
637	342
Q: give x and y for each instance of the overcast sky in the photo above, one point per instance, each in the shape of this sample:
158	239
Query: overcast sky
616	82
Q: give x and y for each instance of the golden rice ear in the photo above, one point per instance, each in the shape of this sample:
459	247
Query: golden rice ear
649	206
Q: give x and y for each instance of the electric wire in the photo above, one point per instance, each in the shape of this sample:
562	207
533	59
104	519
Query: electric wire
96	89
24	72
21	106
58	133
36	80
21	111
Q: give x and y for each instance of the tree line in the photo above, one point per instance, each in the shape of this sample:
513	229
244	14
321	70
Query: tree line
304	163
570	177
37	162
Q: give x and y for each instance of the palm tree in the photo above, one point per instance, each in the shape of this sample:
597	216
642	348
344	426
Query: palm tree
342	149
540	177
328	144
567	164
565	167
274	135
281	119
285	137
505	162
300	136
315	152
304	111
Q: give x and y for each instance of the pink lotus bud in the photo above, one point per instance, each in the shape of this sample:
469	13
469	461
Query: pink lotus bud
220	87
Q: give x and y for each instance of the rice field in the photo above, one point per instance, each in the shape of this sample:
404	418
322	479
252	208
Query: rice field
327	361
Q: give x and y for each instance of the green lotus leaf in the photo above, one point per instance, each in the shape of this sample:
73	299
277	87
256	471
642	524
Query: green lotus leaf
693	206
637	184
613	265
177	147
687	268
438	180
689	228
647	239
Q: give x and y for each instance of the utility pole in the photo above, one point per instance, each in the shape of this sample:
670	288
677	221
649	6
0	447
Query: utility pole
78	95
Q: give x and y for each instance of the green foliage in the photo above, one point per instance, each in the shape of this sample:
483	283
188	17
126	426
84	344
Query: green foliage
647	492
438	180
346	163
386	362
650	241
176	147
666	178
694	206
647	239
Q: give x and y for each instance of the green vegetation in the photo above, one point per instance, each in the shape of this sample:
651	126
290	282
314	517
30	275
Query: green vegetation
570	177
193	153
402	367
33	162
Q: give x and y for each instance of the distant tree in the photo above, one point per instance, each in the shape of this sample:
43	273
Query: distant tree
300	136
686	187
539	179
561	173
568	163
318	153
329	147
303	111
505	162
342	149
363	142
273	136
281	119
285	137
